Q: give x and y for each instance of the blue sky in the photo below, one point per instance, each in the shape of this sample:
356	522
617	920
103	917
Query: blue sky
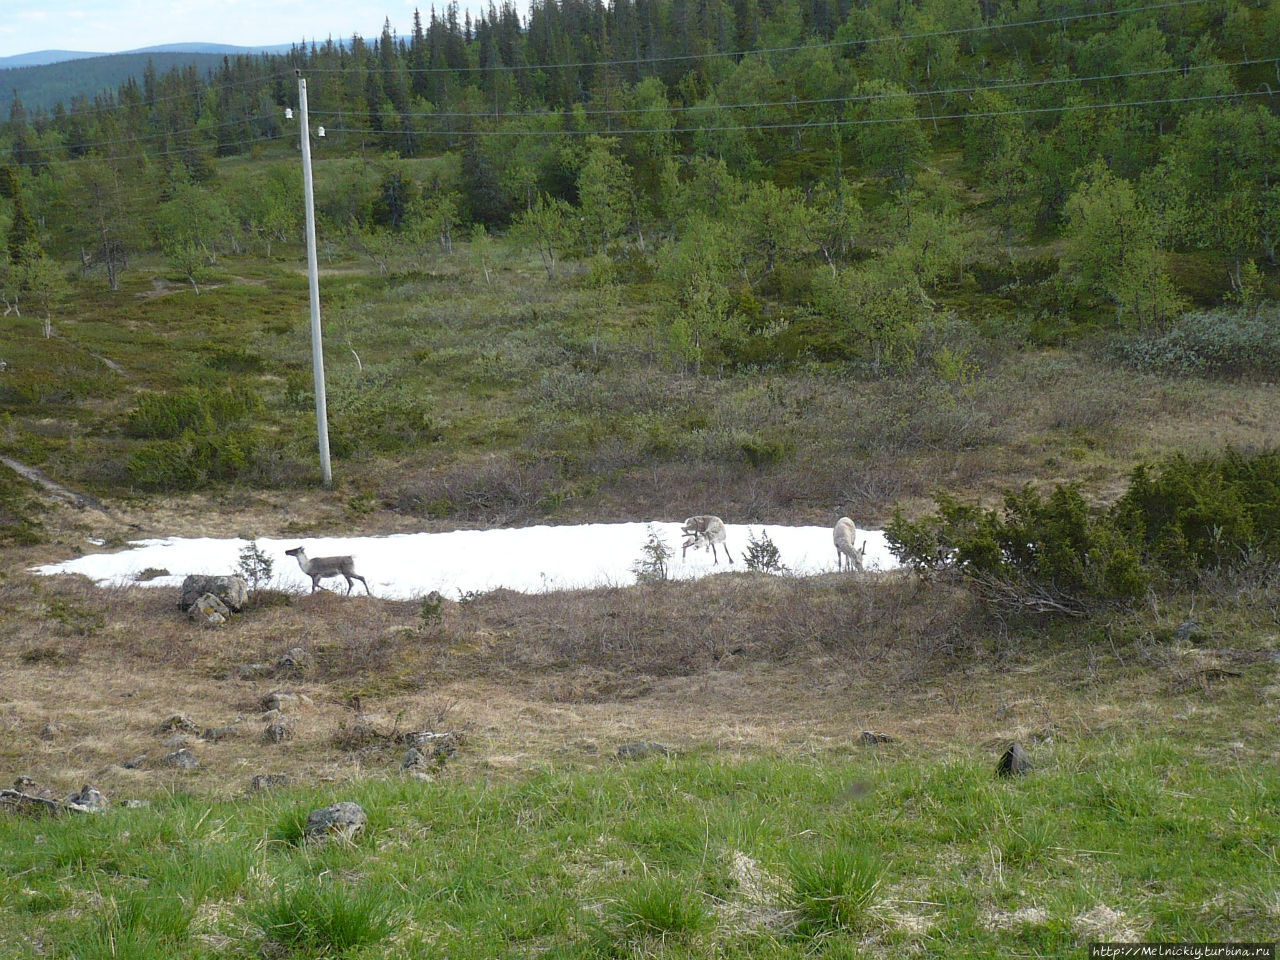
112	26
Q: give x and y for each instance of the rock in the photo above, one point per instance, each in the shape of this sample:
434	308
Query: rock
439	746
209	611
342	821
295	660
1189	631
1015	762
251	671
414	759
641	748
183	759
87	800
870	738
231	590
280	699
267	781
180	723
277	733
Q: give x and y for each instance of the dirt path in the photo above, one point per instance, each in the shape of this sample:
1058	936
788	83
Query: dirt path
65	494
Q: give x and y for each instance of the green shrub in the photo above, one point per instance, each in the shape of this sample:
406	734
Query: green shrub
651	567
831	889
165	416
763	554
234	360
660	906
1211	343
382	422
191	461
163	465
324	917
1195	514
1176	520
1042	554
762	451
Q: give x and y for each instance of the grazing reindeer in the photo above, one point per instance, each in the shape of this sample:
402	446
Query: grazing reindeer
845	535
710	530
317	568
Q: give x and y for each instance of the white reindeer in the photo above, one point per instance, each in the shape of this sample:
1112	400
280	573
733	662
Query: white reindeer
317	568
845	537
710	531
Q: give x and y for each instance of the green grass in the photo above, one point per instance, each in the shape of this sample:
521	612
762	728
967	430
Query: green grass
867	856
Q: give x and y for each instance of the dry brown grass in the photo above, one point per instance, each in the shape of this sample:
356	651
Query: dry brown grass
738	662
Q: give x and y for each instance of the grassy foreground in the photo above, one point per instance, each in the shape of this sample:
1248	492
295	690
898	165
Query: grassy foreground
875	854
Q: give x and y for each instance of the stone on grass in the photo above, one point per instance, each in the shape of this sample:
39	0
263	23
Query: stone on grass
439	746
178	722
267	781
869	738
293	661
251	671
338	821
183	759
231	590
641	748
209	611
87	800
1014	762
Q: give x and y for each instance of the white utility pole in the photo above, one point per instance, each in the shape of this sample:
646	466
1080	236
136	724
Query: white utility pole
313	271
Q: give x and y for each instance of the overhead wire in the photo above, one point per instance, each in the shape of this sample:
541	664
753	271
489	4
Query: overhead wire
858	98
712	54
703	108
824	123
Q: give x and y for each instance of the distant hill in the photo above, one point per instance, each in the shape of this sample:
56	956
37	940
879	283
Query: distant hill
48	77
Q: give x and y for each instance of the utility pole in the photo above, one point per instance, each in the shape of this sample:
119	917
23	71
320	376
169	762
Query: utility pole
313	272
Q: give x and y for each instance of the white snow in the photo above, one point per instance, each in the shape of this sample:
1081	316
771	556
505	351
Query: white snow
527	559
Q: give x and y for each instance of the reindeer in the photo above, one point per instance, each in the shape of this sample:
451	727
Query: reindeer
710	530
317	568
845	536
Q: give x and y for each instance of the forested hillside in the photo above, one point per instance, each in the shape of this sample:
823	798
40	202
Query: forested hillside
885	189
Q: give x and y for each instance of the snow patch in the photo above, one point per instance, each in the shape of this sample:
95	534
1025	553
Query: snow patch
526	559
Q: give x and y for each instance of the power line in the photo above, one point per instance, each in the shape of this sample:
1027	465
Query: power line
210	81
702	107
676	58
859	98
826	124
789	104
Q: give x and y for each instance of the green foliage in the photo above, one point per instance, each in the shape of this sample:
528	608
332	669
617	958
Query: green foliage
195	437
831	889
165	416
1112	249
1051	554
1195	514
1211	343
1055	554
656	907
763	555
388	418
651	567
879	310
190	461
762	451
254	565
324	917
